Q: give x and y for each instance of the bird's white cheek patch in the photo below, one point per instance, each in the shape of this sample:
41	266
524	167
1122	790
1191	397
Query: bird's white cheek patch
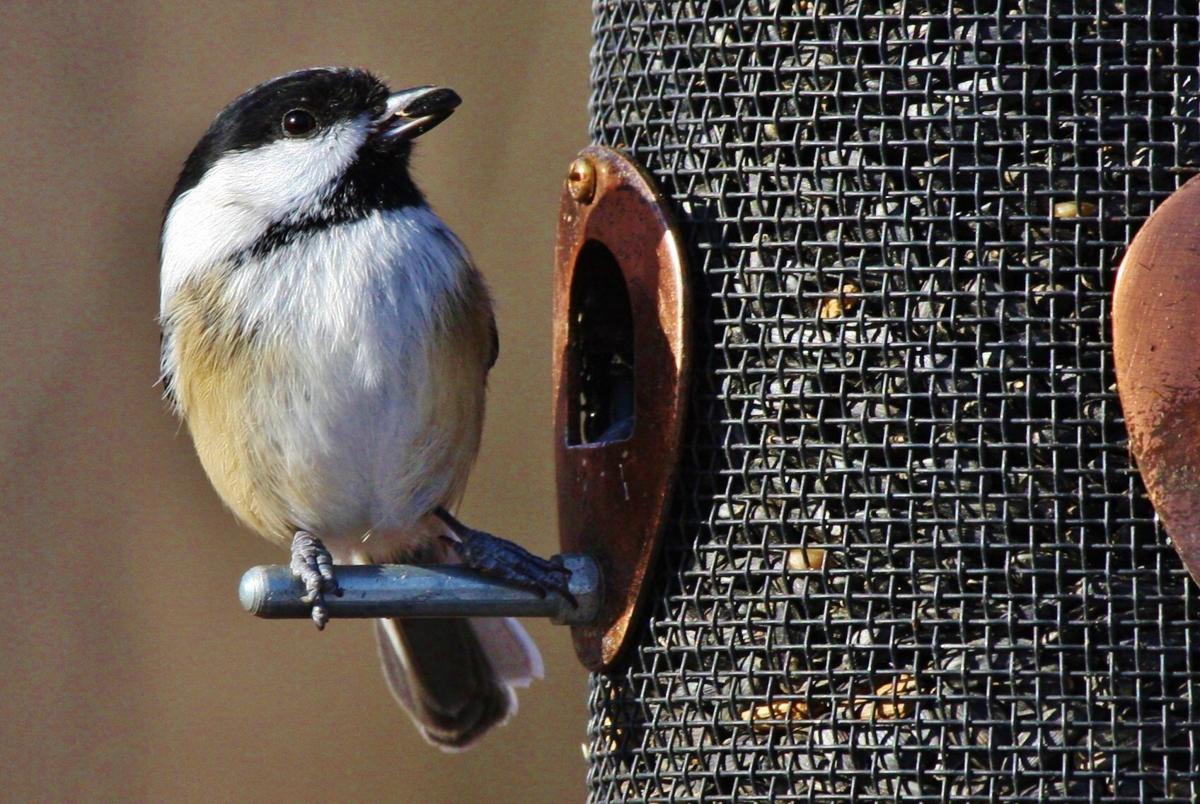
244	193
289	176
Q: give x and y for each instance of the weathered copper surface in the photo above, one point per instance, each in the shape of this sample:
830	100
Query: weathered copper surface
613	496
1156	341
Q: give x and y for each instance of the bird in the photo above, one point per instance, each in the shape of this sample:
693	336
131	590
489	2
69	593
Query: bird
327	339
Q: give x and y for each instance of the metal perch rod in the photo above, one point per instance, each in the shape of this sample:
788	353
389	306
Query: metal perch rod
403	590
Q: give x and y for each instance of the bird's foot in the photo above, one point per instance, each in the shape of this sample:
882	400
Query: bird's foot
502	559
313	565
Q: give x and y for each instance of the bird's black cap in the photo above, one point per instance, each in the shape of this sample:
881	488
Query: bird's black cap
254	118
378	178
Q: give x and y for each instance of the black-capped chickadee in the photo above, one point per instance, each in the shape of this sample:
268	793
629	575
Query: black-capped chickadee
328	340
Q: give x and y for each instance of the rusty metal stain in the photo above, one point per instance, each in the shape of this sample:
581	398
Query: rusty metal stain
613	496
1156	344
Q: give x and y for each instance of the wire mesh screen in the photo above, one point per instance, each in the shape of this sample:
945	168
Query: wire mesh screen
911	558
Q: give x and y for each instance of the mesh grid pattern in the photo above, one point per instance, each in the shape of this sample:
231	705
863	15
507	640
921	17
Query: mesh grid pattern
910	559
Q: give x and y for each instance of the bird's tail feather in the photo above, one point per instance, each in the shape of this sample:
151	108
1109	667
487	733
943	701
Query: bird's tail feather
456	678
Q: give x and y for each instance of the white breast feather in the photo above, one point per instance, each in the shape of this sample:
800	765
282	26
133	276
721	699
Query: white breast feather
357	407
359	307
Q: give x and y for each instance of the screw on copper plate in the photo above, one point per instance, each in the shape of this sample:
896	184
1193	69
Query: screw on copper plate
581	180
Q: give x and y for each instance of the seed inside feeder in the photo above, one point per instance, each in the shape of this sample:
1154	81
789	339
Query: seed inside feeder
1074	209
843	303
779	711
803	559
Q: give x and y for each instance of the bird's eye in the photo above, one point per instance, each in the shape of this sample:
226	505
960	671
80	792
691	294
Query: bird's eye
298	122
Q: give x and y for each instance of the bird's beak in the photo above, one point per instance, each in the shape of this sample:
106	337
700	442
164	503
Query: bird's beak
409	113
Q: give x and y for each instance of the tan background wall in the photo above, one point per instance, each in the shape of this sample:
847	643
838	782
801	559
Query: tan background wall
127	669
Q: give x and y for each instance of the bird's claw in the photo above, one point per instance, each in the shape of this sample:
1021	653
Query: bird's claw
510	562
313	565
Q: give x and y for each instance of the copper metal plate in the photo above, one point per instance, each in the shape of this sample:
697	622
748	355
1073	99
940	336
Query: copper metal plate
613	496
1156	341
